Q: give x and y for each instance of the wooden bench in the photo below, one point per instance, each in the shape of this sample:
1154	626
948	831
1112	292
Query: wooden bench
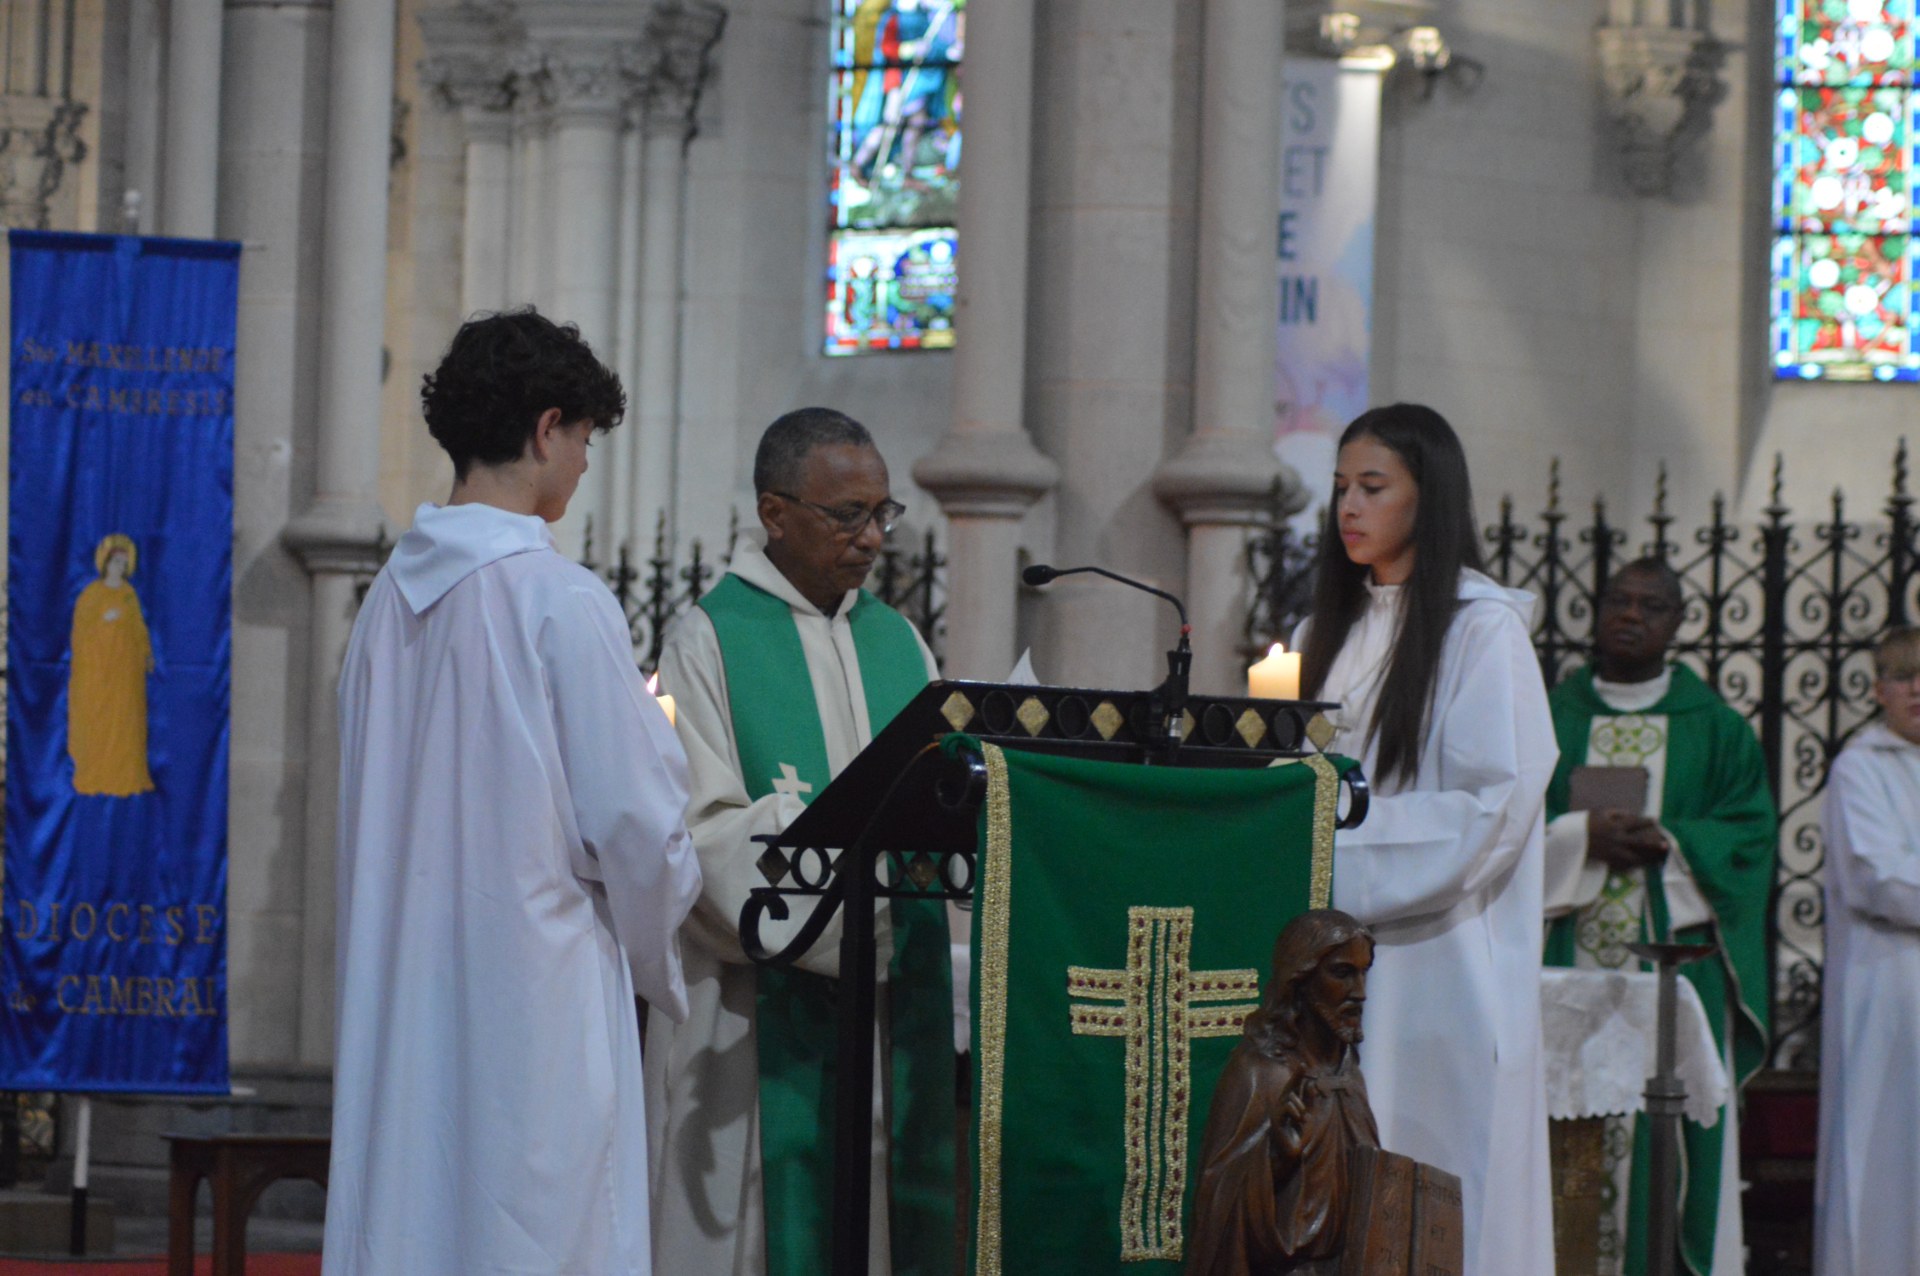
238	1167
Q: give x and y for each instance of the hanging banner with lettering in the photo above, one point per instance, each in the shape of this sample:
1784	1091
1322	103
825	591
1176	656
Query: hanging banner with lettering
1329	184
119	643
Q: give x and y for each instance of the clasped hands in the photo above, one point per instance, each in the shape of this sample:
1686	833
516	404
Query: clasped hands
1625	840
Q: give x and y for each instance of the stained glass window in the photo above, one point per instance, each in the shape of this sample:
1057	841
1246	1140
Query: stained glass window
1846	148
893	117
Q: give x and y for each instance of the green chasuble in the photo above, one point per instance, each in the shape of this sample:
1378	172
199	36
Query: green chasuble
1124	919
776	725
1711	782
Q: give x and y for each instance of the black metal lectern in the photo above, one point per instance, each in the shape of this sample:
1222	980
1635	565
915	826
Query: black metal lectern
900	823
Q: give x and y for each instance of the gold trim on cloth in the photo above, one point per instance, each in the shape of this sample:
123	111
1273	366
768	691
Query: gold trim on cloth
1162	1006
1326	812
1158	1016
995	916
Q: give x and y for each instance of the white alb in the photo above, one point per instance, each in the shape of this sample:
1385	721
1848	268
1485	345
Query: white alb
513	868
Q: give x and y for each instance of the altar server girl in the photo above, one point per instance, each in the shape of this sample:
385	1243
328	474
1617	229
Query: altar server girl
1442	701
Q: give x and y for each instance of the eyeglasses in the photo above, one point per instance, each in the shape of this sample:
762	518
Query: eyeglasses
850	520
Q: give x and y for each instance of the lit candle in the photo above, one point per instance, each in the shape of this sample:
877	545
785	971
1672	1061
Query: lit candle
1277	677
666	702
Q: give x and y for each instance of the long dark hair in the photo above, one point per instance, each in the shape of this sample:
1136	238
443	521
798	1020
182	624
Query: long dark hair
1446	542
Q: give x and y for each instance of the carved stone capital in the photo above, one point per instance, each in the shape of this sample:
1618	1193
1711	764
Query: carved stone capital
681	37
1658	87
468	64
39	139
597	79
992	474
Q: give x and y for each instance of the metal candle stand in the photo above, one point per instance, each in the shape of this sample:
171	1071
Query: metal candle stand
1666	1097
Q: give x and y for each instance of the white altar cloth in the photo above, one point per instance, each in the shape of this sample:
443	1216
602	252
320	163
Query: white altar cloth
1600	1029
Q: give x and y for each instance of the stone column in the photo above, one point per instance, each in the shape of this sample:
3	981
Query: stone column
986	471
271	190
654	400
1222	480
468	69
146	43
529	263
619	461
682	39
337	536
588	56
191	154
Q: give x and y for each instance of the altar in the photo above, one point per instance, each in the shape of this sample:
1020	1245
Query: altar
1599	1032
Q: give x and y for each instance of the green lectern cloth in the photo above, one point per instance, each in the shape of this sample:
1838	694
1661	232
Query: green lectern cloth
1125	918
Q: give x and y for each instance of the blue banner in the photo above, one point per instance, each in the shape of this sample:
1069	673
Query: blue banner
119	643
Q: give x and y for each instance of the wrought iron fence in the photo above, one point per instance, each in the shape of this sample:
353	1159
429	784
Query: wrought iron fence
1782	615
909	576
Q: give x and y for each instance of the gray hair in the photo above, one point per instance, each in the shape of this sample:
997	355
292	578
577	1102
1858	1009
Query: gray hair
784	447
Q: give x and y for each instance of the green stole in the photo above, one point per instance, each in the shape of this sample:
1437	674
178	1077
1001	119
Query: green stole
776	725
1717	806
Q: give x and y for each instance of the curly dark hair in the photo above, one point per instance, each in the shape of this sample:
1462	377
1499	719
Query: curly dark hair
501	372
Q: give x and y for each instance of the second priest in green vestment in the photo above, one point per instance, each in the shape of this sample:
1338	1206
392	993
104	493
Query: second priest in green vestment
1709	792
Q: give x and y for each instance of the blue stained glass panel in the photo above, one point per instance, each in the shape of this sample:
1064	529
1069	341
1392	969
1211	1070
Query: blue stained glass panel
1844	306
894	138
890	290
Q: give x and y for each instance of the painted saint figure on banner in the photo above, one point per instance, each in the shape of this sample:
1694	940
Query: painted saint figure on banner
107	681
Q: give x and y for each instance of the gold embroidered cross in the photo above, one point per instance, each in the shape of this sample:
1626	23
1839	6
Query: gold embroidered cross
1160	1005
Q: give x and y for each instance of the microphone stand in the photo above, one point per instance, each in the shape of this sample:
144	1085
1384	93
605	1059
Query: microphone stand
1168	700
1171	695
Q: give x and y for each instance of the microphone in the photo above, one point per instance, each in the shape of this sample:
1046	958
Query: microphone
1042	574
1169	699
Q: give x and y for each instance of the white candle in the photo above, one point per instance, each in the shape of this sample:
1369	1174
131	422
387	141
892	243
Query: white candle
1277	677
666	702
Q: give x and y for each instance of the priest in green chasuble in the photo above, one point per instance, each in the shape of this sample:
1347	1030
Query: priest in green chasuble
781	675
1695	861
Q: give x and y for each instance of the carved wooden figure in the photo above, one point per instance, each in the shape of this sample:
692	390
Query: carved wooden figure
1292	1178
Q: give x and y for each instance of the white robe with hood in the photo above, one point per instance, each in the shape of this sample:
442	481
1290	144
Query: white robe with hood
1867	1191
1447	870
513	868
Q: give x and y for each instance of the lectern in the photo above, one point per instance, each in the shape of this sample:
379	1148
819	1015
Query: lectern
900	823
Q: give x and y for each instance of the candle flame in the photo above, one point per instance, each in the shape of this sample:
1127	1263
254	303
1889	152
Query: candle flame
1278	649
653	684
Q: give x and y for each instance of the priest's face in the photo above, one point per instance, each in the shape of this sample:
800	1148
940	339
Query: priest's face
1375	501
825	533
1337	989
1639	614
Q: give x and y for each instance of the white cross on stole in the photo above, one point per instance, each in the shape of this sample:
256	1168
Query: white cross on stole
789	781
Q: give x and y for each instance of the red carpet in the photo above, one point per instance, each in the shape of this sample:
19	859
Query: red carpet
257	1265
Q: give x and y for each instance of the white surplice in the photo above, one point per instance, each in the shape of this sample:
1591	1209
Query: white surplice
703	1076
513	868
1867	1197
1446	871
